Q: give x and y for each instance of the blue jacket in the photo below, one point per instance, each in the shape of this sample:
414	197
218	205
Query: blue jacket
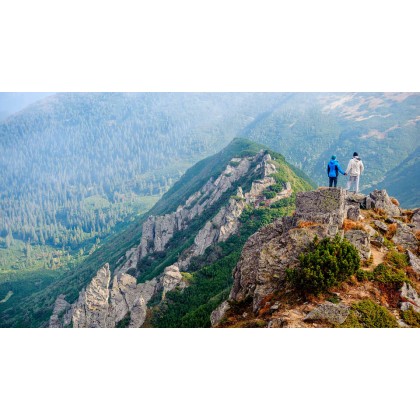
333	168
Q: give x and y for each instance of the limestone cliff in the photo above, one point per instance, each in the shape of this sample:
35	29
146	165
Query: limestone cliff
112	298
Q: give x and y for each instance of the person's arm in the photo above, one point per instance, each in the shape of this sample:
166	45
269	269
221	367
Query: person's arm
328	169
348	167
340	170
362	168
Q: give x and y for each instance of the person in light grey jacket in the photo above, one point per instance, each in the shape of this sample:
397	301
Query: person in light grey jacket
354	170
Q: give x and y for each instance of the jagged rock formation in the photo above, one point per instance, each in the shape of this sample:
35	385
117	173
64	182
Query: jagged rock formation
218	229
109	299
260	274
104	303
158	230
61	316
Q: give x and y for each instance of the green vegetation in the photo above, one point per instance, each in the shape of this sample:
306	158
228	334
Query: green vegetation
368	314
384	273
79	163
325	264
411	317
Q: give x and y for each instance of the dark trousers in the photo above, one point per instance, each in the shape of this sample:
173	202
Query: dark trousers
333	180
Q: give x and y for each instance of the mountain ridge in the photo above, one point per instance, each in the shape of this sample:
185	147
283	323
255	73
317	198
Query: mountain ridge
209	199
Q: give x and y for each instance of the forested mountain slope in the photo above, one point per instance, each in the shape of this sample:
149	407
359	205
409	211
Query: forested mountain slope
74	164
382	127
404	180
200	224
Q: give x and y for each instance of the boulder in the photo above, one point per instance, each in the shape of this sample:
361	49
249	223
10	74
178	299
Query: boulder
381	200
381	225
415	220
361	241
171	279
409	298
335	314
325	206
414	262
404	236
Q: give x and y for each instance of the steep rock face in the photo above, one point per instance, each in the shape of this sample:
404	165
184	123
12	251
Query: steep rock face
218	314
262	268
104	302
158	230
60	316
91	309
218	229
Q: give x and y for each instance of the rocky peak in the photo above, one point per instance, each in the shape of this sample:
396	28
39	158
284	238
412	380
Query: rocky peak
261	270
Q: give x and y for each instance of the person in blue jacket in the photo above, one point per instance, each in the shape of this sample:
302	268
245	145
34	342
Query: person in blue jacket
333	168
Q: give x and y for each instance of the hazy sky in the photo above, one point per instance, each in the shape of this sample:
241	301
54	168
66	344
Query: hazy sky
11	102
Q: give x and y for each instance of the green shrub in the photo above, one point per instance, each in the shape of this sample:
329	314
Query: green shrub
269	194
411	317
363	275
385	274
327	263
368	314
397	259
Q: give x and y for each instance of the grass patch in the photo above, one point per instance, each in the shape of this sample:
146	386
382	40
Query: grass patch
368	314
411	317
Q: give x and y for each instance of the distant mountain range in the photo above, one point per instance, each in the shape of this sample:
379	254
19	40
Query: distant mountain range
382	127
74	165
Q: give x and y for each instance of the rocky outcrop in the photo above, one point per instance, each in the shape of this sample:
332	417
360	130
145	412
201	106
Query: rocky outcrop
324	206
218	229
381	200
158	230
60	316
171	279
415	220
409	298
335	314
91	309
361	241
405	237
414	262
261	269
218	314
105	302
